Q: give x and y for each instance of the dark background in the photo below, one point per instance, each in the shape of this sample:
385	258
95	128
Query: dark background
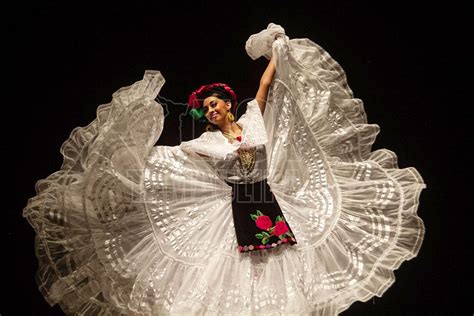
406	61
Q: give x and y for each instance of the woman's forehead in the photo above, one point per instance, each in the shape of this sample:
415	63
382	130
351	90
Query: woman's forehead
209	100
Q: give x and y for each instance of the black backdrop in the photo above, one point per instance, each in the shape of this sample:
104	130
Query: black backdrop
404	61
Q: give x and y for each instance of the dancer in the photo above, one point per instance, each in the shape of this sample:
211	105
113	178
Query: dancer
285	211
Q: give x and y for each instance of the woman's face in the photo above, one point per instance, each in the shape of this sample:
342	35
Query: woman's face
215	109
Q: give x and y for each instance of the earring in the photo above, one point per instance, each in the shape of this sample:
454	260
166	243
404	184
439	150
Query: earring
230	116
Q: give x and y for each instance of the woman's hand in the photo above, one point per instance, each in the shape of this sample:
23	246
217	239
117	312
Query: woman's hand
260	44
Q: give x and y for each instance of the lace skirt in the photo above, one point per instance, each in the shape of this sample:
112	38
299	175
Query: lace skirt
258	219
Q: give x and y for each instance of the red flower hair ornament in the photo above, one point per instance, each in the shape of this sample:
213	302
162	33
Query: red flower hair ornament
196	99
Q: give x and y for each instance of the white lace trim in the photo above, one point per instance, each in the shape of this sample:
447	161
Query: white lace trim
215	144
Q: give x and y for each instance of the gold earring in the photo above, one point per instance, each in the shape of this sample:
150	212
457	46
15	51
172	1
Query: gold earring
230	116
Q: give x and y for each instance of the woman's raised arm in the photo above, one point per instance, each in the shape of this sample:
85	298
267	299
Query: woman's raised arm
265	83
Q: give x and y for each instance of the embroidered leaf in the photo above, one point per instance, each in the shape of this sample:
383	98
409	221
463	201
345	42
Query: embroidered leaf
259	213
254	217
281	236
259	236
264	240
289	234
265	234
279	218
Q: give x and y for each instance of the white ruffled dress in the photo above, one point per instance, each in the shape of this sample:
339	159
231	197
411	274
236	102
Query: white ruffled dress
129	228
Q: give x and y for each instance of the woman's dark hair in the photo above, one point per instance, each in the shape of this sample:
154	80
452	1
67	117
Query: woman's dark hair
218	92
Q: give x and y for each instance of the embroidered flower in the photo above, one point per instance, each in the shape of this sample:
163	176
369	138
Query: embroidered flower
280	228
264	222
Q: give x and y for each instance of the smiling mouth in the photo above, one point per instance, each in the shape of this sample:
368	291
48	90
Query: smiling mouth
213	116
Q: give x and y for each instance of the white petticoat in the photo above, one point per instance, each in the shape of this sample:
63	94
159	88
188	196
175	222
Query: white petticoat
123	228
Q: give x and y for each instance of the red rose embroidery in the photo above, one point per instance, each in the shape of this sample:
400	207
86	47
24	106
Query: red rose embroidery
263	222
280	228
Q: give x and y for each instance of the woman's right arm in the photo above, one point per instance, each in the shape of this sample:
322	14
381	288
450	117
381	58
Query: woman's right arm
265	83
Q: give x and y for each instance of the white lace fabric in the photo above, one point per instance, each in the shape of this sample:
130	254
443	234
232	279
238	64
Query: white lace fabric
126	227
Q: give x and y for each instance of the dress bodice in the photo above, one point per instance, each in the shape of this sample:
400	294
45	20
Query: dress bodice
232	169
228	159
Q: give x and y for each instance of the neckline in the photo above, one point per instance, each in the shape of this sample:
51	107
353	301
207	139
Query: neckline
241	134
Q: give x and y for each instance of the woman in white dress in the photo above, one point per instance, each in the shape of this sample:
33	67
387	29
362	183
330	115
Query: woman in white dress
126	227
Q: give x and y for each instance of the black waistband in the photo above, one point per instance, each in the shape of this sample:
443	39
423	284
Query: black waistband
255	192
262	182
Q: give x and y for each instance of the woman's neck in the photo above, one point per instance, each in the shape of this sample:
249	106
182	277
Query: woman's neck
230	128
